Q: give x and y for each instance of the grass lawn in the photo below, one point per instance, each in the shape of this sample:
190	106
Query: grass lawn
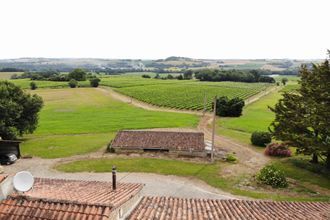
206	172
303	174
57	146
76	121
256	116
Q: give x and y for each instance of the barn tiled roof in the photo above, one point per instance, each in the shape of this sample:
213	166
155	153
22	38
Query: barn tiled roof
90	192
32	209
194	209
142	139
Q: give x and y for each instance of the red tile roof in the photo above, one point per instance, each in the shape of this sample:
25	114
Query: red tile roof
89	192
193	209
142	139
31	209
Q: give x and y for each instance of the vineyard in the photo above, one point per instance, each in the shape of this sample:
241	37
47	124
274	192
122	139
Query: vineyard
178	94
184	94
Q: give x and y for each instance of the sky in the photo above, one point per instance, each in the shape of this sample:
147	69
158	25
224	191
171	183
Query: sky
154	29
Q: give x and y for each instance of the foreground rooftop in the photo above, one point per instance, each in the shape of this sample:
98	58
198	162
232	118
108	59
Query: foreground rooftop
88	192
191	209
71	199
42	209
62	199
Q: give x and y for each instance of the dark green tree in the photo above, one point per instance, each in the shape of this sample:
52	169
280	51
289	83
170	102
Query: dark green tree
302	117
73	83
33	86
18	111
188	74
77	74
169	76
94	82
284	81
229	107
180	77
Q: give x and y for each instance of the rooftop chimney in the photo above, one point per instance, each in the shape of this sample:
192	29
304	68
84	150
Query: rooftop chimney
114	181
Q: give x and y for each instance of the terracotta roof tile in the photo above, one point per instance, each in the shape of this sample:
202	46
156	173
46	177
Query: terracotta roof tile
190	209
142	139
88	192
28	209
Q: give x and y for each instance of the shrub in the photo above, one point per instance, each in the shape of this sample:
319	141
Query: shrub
229	107
33	86
94	82
231	158
271	175
73	83
278	149
146	76
260	138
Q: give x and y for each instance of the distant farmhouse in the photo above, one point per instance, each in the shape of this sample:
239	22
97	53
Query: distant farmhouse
176	143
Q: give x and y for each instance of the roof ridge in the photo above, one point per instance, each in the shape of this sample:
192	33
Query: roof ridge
85	181
241	200
158	131
63	201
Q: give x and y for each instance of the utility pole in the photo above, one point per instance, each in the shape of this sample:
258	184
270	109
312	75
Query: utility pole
213	128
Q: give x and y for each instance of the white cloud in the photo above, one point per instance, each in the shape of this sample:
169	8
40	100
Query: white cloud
161	28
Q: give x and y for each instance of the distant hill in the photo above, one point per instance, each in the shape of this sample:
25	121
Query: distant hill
172	63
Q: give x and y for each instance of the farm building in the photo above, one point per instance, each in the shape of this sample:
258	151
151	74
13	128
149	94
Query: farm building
178	143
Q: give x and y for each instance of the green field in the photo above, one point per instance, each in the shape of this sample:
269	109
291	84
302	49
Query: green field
25	83
206	172
256	116
180	94
76	121
7	75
